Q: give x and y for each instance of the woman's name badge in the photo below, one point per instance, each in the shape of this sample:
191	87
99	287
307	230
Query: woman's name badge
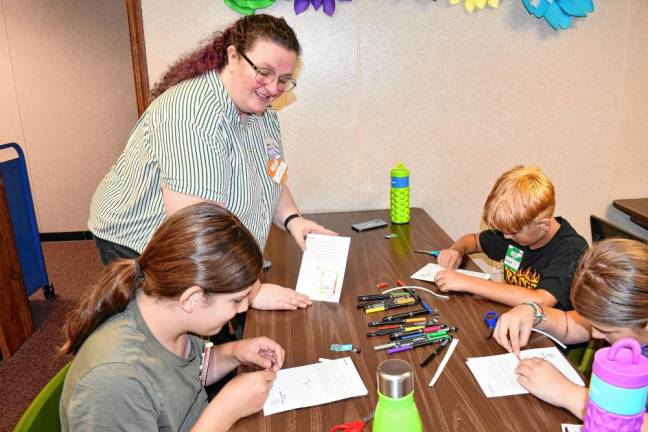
277	169
513	258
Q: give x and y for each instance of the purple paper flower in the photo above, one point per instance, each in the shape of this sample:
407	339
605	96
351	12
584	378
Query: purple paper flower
329	5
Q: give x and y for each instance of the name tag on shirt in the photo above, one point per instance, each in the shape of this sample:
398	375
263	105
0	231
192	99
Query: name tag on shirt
513	258
277	169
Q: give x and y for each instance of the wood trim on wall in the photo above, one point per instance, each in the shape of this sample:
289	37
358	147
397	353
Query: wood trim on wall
16	325
138	52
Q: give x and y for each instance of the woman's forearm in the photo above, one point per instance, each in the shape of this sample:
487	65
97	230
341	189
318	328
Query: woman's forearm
285	207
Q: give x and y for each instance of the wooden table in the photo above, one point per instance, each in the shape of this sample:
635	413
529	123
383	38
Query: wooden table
456	402
636	208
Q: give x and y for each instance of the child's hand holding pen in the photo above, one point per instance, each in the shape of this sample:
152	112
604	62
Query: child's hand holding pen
270	355
262	352
449	258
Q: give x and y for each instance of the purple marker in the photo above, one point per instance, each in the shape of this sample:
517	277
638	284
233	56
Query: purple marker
400	348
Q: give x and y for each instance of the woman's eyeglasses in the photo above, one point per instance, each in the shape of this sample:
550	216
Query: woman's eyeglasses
266	76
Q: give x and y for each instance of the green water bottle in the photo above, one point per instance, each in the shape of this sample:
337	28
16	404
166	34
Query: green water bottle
399	197
396	410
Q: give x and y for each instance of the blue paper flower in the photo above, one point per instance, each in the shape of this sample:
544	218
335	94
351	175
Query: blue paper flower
559	13
329	5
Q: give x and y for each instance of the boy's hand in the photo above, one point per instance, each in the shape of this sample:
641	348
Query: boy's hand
260	351
450	280
544	381
245	394
450	258
514	327
275	297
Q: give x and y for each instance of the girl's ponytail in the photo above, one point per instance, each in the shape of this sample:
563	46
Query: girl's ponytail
116	286
201	245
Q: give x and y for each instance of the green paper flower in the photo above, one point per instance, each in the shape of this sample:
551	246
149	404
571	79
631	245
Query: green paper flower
248	7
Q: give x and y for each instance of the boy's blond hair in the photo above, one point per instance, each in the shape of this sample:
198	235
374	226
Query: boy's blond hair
519	196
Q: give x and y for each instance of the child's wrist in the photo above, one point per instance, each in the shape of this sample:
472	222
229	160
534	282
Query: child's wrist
457	249
574	399
538	312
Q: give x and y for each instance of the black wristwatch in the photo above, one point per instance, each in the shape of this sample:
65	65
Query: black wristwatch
289	218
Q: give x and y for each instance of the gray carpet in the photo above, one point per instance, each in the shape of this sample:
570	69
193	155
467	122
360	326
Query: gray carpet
72	267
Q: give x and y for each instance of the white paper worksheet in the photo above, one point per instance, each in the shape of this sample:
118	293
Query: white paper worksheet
314	384
429	271
322	268
496	374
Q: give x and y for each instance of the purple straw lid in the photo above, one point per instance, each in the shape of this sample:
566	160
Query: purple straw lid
622	364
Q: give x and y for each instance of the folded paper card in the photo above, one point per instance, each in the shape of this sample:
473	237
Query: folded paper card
430	270
322	268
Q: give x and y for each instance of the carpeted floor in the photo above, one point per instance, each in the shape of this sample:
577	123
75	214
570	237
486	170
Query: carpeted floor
72	268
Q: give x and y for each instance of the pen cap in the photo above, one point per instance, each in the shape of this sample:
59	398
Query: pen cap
395	379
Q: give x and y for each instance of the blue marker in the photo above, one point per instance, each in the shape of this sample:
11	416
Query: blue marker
429	309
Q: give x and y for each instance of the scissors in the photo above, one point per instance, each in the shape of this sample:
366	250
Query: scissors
490	318
434	253
354	426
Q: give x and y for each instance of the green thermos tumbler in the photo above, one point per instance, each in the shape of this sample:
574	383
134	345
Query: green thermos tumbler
399	197
396	410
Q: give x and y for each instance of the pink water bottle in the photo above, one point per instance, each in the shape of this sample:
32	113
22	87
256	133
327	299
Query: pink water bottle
618	389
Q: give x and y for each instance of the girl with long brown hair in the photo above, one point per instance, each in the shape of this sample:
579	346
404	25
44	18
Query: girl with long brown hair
138	364
610	298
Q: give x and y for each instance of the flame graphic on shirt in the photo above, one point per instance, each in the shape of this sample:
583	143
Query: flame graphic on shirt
527	278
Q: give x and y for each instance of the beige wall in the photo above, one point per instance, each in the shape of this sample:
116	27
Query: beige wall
458	98
66	86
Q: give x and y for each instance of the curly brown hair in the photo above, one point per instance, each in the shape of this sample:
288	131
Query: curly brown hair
242	34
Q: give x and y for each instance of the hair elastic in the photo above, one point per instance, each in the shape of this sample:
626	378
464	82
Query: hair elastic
139	275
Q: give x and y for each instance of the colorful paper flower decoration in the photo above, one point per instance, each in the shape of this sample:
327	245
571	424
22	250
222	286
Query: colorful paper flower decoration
329	5
248	7
559	13
470	4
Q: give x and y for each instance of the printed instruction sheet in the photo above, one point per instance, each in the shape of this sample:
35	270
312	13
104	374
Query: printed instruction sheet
322	267
314	384
430	270
496	374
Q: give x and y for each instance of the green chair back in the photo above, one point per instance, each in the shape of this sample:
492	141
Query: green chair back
43	413
585	366
583	356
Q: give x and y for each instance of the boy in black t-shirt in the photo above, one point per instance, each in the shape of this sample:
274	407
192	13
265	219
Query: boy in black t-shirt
540	251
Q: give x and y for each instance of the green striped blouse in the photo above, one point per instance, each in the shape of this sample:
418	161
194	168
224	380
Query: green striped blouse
191	140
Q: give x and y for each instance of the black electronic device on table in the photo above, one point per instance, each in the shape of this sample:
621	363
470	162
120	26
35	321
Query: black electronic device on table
369	225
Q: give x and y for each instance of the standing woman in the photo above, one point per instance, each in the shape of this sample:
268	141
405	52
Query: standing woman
210	135
610	297
137	363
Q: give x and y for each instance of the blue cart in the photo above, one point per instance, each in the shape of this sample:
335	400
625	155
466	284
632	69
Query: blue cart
23	219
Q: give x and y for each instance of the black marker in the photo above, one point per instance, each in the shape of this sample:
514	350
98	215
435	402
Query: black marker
436	352
406	315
